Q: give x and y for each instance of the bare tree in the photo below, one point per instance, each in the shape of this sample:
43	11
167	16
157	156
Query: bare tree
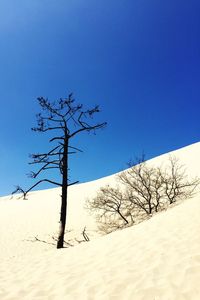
144	190
151	188
144	185
176	183
66	120
111	209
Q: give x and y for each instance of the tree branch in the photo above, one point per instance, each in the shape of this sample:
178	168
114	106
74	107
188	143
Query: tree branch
75	182
45	167
20	190
41	156
77	149
89	128
57	138
47	129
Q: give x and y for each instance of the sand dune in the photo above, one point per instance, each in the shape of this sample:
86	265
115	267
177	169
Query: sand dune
156	259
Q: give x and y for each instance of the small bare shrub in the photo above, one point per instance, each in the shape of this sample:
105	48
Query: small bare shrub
144	185
145	190
177	185
111	208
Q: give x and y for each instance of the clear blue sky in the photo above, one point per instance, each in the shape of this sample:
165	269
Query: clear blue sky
139	60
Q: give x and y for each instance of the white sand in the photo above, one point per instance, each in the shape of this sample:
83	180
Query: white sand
157	259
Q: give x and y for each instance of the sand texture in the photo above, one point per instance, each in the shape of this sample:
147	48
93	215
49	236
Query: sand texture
158	259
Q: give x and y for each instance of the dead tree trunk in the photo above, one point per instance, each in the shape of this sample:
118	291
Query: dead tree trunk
63	211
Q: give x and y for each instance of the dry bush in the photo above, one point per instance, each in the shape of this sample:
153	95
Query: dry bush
177	185
111	209
145	190
144	185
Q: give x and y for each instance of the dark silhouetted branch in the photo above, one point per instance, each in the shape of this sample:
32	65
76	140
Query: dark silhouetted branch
75	182
20	190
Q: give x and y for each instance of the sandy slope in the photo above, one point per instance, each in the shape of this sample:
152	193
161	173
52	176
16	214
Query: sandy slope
157	259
